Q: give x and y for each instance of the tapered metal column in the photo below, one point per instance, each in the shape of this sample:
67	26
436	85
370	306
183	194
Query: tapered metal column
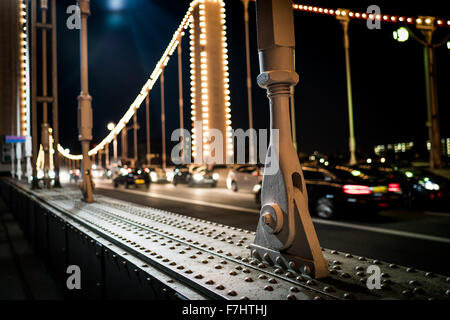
34	130
344	20
124	142
147	115
180	95
115	148
135	129
107	155
45	127
430	86
285	235
163	121
55	122
252	152
84	105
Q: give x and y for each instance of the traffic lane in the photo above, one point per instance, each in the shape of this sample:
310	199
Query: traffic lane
240	219
418	253
412	221
213	195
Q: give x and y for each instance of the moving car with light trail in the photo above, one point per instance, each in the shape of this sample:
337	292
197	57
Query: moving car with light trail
342	189
132	177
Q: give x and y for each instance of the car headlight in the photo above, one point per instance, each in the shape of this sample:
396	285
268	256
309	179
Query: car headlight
431	185
169	176
198	177
153	176
216	176
256	188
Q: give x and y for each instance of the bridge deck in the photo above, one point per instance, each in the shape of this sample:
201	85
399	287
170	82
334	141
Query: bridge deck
214	260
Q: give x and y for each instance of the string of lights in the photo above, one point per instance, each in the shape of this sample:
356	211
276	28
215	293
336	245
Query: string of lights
176	38
365	16
23	121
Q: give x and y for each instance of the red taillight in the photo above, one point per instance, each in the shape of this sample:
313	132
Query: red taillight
394	187
356	189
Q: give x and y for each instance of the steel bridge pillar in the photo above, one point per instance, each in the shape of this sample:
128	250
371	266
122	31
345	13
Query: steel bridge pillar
285	234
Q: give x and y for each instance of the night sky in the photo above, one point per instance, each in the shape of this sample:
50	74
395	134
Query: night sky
127	38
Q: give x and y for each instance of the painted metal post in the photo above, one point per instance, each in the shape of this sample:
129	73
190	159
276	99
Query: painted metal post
285	234
34	130
84	105
252	144
45	126
147	115
427	29
115	148
107	155
344	20
163	121
55	121
180	95
135	129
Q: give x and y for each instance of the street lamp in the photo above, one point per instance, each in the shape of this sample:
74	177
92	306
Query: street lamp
426	26
401	35
344	20
110	127
252	154
84	105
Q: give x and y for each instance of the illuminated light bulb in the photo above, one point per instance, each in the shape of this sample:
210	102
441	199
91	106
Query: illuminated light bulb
385	17
427	21
401	35
409	20
439	22
419	21
331	11
364	15
357	14
350	14
338	12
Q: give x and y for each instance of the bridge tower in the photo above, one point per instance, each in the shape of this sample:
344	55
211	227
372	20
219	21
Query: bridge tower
210	94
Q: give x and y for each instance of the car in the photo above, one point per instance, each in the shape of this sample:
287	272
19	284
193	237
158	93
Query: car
342	188
420	187
202	176
74	175
157	174
244	177
132	177
181	175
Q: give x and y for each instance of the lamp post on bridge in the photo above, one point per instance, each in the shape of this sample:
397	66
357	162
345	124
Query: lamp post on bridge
110	127
252	154
163	121
147	114
84	105
344	20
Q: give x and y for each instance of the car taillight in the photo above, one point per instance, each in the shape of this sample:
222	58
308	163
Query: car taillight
394	187
356	189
